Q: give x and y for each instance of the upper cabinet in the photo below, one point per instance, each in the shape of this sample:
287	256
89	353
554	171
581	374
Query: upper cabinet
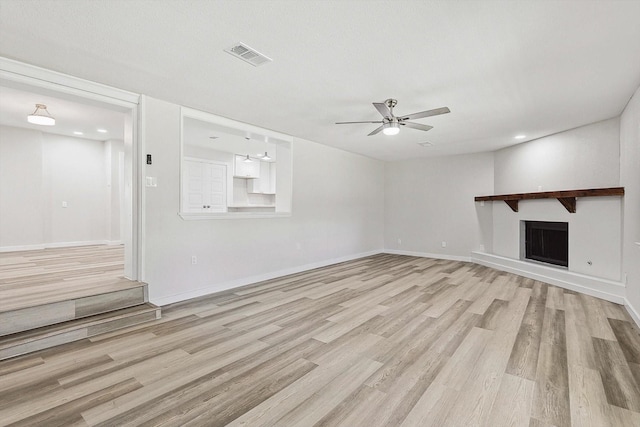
266	183
246	169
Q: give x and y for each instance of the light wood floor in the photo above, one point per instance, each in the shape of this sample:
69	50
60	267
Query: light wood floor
32	278
382	341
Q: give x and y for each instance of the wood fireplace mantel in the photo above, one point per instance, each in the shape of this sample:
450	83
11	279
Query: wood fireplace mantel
567	197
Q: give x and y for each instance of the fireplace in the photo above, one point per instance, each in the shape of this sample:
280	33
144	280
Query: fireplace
546	242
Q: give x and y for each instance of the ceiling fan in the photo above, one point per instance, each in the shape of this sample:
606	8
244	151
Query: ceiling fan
391	123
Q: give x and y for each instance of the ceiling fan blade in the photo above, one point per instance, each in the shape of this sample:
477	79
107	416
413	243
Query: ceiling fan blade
416	126
428	113
377	130
382	109
349	123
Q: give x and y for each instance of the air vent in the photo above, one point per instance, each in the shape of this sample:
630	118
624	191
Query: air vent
425	144
213	137
248	54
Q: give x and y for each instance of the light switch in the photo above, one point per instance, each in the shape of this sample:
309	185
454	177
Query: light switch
64	204
152	181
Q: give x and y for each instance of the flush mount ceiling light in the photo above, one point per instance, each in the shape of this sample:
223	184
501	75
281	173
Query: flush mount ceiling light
520	136
102	130
391	128
248	159
41	116
266	156
77	132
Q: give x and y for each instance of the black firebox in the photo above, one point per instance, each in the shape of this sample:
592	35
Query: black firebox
547	242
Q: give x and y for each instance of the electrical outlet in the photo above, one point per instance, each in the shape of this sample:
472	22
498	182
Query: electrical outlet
444	244
399	242
194	260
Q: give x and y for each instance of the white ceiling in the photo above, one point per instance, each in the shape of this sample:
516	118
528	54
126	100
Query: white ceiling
502	67
71	115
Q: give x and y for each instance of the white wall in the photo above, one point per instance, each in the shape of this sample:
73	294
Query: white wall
74	172
338	206
428	201
585	157
38	172
21	198
630	179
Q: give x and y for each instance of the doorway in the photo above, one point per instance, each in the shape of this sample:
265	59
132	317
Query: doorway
87	197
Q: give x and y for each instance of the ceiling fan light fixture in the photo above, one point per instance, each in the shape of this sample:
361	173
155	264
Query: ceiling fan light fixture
41	116
248	159
392	128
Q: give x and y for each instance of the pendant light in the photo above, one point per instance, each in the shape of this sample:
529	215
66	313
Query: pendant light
266	156
248	159
41	116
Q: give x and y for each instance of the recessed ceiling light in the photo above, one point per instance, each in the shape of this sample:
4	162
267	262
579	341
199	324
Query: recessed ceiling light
520	136
102	130
77	133
425	144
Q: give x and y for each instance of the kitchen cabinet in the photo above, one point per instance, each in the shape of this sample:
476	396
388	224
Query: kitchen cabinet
204	186
266	182
243	169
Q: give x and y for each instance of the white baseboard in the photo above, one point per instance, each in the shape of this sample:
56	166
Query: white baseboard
41	246
81	243
632	312
601	288
21	248
428	255
219	287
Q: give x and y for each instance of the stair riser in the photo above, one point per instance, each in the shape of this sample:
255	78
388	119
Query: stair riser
25	319
78	334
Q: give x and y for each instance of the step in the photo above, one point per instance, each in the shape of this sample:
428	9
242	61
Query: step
83	303
77	329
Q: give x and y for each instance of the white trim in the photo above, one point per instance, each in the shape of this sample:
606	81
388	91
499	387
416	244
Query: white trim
428	255
80	243
19	248
232	215
219	287
632	312
601	288
30	75
42	246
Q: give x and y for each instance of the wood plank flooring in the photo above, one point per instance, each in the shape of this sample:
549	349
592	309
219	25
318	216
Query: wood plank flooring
385	340
33	278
